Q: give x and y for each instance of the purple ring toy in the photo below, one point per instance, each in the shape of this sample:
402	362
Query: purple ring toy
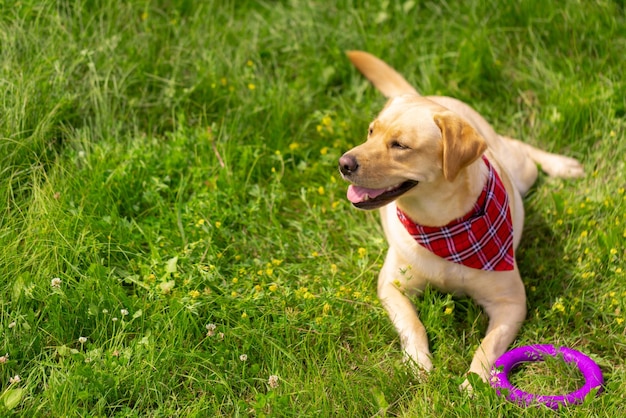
531	353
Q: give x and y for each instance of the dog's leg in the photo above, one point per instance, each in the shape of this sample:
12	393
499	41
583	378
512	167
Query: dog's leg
554	165
506	313
410	329
392	285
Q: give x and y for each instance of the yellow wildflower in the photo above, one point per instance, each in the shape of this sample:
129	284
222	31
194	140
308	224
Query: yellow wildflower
558	306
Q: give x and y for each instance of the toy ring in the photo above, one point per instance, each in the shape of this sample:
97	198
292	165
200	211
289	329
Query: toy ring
531	353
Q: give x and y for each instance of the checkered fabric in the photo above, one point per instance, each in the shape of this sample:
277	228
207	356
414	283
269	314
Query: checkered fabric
482	239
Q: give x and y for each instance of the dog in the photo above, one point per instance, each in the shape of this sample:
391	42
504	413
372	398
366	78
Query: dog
449	190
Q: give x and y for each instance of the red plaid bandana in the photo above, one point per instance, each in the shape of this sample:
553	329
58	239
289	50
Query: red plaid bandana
482	239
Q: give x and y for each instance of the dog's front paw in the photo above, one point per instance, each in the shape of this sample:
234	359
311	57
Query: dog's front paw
466	387
419	361
477	378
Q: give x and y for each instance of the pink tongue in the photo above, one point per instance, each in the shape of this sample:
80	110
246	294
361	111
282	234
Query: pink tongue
358	194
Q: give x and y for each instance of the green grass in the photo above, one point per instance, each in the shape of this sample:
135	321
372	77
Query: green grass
173	163
552	376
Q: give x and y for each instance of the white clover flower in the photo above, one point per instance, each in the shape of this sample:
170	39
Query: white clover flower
243	357
55	283
272	381
105	311
4	358
124	312
12	324
15	379
211	329
82	340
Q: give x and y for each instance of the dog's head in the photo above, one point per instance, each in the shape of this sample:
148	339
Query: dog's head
412	141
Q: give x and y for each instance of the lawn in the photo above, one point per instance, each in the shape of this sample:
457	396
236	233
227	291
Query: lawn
174	234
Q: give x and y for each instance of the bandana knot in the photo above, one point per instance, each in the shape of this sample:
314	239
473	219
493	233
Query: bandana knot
482	239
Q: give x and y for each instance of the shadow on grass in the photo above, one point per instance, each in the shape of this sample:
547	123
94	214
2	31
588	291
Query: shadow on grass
544	265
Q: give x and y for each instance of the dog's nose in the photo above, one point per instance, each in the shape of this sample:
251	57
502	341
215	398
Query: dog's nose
348	164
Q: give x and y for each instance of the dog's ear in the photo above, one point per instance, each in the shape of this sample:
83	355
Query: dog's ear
462	145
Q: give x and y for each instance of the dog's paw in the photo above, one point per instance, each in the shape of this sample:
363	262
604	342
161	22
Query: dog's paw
420	362
564	167
473	380
466	387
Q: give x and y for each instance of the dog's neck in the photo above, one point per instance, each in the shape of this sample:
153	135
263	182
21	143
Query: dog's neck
481	239
441	202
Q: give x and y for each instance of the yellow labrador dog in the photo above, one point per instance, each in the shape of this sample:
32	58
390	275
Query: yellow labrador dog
449	189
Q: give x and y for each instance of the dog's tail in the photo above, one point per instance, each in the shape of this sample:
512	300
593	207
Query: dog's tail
387	80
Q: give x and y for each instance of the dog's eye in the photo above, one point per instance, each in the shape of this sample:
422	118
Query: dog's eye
370	131
398	145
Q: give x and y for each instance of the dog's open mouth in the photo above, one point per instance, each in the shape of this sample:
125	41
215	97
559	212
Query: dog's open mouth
364	198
